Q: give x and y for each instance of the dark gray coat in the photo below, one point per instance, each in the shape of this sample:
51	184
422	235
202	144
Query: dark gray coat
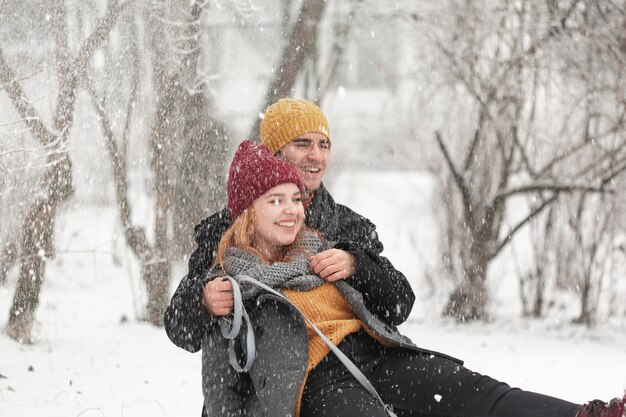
272	385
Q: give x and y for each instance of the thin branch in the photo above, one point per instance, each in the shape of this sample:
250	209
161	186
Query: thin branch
135	237
459	74
470	154
525	160
557	188
458	178
560	158
521	224
593	165
619	170
177	23
43	166
24	77
18	97
36	149
13	122
181	51
134	87
16	132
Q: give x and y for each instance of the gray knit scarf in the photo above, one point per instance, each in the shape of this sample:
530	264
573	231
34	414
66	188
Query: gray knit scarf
293	275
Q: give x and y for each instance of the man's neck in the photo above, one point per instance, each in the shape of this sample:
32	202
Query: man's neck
306	201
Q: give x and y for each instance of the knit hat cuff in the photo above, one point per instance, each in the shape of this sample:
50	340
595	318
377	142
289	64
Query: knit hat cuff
294	127
240	199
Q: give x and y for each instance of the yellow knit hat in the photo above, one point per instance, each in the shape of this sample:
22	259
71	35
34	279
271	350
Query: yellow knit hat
289	118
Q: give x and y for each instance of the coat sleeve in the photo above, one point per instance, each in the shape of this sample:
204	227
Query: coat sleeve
186	321
386	291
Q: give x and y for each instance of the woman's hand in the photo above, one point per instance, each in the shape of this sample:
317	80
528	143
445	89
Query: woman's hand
217	297
333	264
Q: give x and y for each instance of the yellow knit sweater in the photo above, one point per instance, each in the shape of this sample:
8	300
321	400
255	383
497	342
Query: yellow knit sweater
331	313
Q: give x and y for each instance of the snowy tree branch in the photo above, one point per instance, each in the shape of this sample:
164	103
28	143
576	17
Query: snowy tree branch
135	237
458	178
522	223
18	97
557	188
24	77
470	153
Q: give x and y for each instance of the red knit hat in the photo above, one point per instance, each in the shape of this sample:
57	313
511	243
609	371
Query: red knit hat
253	172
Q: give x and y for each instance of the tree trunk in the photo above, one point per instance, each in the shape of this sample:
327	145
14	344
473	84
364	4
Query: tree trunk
37	235
586	309
37	245
540	286
154	273
301	42
469	300
201	178
156	265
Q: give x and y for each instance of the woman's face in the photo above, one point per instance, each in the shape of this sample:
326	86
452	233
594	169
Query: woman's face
278	217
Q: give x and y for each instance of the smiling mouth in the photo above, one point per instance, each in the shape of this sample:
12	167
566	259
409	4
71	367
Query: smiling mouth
312	170
287	224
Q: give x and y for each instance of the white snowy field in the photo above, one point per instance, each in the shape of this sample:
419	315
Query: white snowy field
92	357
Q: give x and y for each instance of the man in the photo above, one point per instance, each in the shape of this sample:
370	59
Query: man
297	131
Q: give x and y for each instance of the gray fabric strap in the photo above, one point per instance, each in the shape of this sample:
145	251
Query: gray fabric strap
239	311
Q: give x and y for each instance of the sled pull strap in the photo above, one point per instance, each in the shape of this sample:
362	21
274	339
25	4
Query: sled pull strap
239	313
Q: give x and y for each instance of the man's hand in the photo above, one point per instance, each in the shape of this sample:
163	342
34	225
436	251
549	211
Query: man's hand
217	297
333	264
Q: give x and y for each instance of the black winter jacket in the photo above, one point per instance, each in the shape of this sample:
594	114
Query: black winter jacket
380	284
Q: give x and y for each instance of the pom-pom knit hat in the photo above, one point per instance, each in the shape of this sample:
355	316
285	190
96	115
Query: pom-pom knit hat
289	118
254	171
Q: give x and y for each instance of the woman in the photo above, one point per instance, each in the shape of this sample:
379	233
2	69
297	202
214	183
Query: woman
294	374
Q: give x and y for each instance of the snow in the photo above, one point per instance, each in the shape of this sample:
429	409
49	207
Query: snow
92	357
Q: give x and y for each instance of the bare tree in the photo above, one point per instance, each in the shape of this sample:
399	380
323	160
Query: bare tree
189	144
501	71
592	241
576	251
38	226
186	141
535	279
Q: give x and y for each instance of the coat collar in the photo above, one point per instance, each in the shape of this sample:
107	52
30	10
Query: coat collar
321	212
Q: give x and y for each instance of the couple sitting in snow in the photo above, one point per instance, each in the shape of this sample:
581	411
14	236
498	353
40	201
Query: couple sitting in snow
321	303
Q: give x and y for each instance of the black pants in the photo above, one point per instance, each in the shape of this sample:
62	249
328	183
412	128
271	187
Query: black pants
416	384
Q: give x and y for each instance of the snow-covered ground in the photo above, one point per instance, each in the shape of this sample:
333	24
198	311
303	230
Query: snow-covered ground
93	358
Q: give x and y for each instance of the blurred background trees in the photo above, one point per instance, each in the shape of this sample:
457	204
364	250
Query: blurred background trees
503	60
516	108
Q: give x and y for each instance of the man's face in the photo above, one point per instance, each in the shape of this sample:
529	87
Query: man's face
309	154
